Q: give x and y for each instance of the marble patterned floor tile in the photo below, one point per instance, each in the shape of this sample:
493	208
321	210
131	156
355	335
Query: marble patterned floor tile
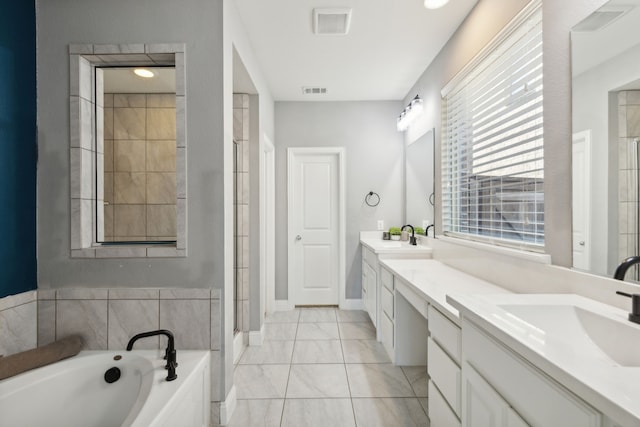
418	378
321	351
318	413
317	331
317	381
261	381
257	413
424	402
389	412
357	331
280	331
352	316
378	380
317	315
270	352
364	351
290	316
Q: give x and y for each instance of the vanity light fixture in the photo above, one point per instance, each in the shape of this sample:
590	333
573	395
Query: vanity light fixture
143	72
435	4
410	113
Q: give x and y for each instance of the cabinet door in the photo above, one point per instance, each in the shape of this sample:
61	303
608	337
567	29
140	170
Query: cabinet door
483	406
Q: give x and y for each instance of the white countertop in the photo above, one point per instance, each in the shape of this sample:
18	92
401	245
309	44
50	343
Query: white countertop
434	281
554	341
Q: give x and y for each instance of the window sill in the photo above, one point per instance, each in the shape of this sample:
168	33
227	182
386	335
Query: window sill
130	251
540	258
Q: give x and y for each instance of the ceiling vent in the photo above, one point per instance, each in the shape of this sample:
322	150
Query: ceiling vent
600	18
314	90
331	21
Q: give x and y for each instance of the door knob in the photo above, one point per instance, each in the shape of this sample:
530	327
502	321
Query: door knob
298	237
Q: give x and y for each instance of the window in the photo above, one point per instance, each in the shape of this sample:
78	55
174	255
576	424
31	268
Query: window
492	155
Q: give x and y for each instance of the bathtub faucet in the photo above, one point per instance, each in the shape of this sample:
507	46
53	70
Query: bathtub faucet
169	353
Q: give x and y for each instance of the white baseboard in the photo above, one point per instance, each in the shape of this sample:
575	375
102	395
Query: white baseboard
256	337
228	406
349	304
352	304
283	305
238	345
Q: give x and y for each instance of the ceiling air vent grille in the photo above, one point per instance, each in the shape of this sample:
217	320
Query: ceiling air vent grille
314	90
331	21
600	18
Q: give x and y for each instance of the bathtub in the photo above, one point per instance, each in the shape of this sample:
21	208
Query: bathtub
74	392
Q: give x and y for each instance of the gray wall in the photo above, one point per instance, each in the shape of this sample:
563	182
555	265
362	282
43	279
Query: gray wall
482	24
374	162
61	22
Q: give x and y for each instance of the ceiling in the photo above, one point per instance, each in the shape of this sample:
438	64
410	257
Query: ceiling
389	45
592	48
123	80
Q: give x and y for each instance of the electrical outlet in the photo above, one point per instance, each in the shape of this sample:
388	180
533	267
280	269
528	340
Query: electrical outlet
380	225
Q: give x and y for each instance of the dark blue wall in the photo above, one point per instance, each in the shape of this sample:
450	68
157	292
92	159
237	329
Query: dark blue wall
17	147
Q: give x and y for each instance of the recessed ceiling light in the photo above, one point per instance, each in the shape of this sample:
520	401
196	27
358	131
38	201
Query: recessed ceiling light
143	72
435	4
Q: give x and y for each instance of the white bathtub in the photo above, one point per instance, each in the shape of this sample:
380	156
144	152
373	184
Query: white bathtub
74	393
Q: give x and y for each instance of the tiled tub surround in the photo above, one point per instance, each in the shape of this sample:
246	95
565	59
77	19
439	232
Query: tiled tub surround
18	324
108	318
139	167
241	206
628	138
87	144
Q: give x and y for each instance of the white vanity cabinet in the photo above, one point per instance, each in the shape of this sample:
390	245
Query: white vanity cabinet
484	407
387	312
499	385
369	284
445	375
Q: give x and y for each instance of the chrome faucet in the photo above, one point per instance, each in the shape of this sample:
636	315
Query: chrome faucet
412	239
624	266
169	353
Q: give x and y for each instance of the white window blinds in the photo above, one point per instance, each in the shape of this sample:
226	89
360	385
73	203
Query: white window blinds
492	155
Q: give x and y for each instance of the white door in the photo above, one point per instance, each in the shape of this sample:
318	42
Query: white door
581	199
315	203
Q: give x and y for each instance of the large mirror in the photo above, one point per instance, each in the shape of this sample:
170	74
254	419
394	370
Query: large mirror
139	133
606	133
419	182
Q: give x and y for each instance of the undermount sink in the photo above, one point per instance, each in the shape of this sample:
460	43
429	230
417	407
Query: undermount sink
391	245
618	340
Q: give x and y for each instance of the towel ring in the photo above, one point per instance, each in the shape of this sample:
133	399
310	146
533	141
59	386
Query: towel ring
432	199
369	196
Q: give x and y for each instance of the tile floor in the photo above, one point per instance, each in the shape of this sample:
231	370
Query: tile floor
323	367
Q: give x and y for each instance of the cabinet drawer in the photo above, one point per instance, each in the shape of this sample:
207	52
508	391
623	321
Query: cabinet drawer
446	333
387	301
440	414
539	399
386	330
446	375
369	257
387	278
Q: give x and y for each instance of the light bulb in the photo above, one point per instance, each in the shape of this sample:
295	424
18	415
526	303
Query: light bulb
143	72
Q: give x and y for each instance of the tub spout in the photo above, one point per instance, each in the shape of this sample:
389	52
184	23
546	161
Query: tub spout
169	353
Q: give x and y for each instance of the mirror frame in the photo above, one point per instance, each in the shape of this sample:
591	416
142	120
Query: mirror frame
86	121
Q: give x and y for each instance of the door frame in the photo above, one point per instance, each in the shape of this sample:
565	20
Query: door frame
292	152
583	137
267	227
